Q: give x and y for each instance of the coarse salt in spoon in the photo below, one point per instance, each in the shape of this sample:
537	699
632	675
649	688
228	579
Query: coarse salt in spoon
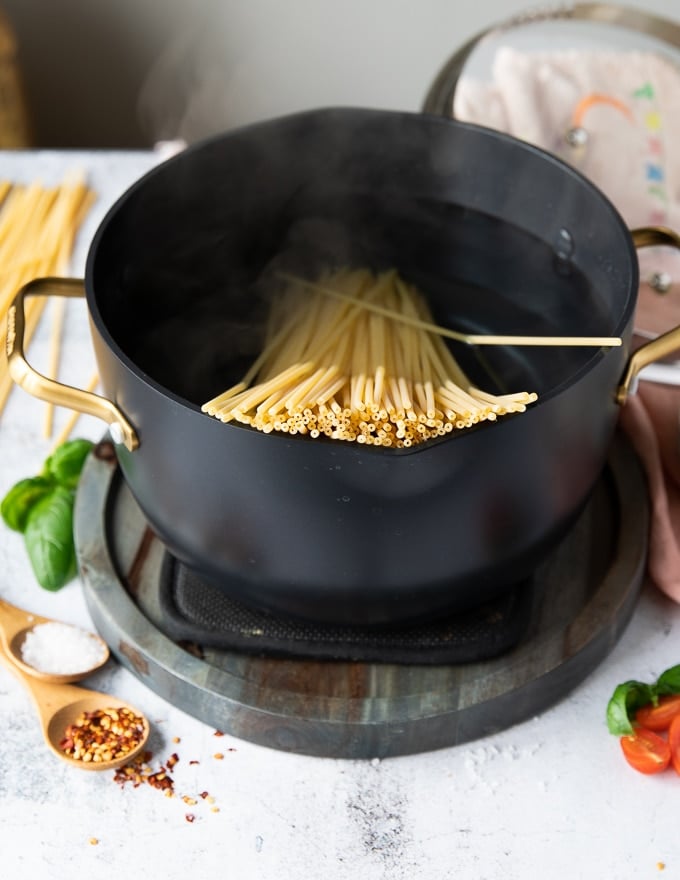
48	649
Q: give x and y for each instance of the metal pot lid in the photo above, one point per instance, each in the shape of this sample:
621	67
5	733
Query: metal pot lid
587	24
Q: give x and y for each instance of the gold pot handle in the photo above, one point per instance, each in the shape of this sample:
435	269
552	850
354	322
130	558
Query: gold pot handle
666	343
48	389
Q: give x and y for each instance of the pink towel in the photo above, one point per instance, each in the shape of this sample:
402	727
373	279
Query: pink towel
651	419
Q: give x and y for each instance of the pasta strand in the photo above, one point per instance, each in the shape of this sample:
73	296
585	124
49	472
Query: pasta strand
331	368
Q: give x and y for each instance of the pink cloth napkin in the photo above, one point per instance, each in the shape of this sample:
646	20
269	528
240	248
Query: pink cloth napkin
651	420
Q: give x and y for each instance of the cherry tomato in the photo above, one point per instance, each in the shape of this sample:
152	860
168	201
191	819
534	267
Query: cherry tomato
646	751
674	743
659	717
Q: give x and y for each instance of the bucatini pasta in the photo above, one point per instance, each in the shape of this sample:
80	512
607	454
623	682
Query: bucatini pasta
38	226
332	367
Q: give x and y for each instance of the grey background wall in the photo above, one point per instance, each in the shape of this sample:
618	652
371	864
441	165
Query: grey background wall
125	73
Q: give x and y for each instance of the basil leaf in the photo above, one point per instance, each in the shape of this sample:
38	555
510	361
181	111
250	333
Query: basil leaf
66	462
49	539
669	681
625	701
18	502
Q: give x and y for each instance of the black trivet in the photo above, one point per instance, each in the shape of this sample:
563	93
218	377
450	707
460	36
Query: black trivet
195	611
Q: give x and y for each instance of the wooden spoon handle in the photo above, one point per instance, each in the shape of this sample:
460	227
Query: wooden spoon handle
47	697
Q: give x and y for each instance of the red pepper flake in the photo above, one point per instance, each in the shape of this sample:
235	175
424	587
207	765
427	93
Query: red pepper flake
103	734
161	780
218	733
139	772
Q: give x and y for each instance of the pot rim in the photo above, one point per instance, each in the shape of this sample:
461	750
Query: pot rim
621	327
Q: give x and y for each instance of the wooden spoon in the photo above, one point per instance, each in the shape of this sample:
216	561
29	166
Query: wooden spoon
15	625
62	705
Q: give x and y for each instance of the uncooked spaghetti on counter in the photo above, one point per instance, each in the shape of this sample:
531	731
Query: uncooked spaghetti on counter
38	227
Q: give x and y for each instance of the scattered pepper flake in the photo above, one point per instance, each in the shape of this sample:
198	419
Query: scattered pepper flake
139	772
93	841
161	780
218	756
218	733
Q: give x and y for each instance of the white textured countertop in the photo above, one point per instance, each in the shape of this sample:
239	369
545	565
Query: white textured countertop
551	797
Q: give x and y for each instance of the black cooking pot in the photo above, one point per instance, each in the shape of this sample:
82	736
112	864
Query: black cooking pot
501	237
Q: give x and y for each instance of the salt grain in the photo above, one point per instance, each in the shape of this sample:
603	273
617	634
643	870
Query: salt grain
61	649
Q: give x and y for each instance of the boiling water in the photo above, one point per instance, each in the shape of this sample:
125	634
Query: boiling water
480	275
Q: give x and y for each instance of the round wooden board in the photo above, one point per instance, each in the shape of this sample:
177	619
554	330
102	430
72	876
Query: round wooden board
587	592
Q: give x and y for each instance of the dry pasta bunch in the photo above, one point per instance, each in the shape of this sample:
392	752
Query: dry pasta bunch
359	371
38	226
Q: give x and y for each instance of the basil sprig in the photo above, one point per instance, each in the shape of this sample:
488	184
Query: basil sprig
41	508
633	695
